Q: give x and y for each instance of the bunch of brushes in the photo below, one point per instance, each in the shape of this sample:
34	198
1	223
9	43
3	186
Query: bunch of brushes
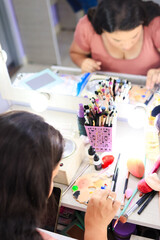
111	88
102	108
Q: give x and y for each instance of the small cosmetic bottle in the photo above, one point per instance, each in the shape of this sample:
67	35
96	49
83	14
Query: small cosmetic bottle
81	120
91	152
97	162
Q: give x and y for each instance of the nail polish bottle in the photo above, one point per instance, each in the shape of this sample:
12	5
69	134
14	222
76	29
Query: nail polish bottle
81	120
91	152
97	162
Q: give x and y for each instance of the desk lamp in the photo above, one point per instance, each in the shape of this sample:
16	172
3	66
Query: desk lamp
39	101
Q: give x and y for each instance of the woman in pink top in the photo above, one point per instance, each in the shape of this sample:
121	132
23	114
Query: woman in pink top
30	151
120	36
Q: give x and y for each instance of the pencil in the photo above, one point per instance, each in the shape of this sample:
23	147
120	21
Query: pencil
147	202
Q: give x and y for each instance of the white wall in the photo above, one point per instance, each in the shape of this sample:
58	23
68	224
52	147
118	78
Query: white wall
37	31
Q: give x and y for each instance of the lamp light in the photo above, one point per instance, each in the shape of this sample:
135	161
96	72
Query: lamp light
137	116
39	101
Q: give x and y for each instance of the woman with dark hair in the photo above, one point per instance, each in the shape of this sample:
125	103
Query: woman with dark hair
30	151
120	36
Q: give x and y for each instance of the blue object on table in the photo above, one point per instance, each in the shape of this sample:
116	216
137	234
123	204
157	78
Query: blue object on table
82	83
82	4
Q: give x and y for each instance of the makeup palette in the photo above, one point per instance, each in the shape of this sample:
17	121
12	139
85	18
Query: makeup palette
85	186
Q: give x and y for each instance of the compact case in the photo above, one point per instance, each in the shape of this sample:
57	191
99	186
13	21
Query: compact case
123	230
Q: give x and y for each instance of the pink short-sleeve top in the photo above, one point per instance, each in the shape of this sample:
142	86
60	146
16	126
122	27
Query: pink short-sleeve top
149	57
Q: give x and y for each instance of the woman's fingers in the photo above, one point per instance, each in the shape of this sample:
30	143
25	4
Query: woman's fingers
90	65
153	77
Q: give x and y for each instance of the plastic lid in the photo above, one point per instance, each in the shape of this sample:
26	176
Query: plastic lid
124	229
91	151
96	157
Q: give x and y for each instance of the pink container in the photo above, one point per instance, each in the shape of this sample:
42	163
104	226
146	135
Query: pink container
101	138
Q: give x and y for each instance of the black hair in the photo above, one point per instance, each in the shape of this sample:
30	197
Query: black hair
112	15
30	149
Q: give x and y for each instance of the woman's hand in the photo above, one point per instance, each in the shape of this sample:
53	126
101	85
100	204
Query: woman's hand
90	65
81	59
100	211
153	77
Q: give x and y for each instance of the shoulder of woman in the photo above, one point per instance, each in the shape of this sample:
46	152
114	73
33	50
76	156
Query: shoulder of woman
85	23
154	31
45	235
155	23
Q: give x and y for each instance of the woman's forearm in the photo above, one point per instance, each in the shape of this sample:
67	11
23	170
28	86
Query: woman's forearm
95	234
78	58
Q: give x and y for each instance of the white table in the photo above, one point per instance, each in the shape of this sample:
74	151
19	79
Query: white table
130	143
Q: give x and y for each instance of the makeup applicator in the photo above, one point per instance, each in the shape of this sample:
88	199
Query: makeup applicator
124	217
142	185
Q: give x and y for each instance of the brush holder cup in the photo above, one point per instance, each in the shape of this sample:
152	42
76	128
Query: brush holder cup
101	138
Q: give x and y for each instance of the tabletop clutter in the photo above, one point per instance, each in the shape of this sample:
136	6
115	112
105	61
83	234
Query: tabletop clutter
97	120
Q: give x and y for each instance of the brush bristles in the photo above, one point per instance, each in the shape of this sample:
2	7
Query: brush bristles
123	218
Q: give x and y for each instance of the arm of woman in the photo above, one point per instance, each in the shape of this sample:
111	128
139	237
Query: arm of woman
81	58
153	77
100	211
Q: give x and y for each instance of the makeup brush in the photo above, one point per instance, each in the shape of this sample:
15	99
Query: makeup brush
124	217
125	187
115	180
115	175
128	202
125	207
156	87
147	202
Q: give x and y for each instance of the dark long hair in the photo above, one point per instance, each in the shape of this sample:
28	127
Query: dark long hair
112	15
29	151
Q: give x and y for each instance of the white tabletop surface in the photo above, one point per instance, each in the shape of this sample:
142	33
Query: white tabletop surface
130	143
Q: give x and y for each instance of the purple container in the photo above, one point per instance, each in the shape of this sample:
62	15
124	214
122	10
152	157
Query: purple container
123	230
100	138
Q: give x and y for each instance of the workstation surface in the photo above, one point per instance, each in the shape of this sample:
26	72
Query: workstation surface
129	142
